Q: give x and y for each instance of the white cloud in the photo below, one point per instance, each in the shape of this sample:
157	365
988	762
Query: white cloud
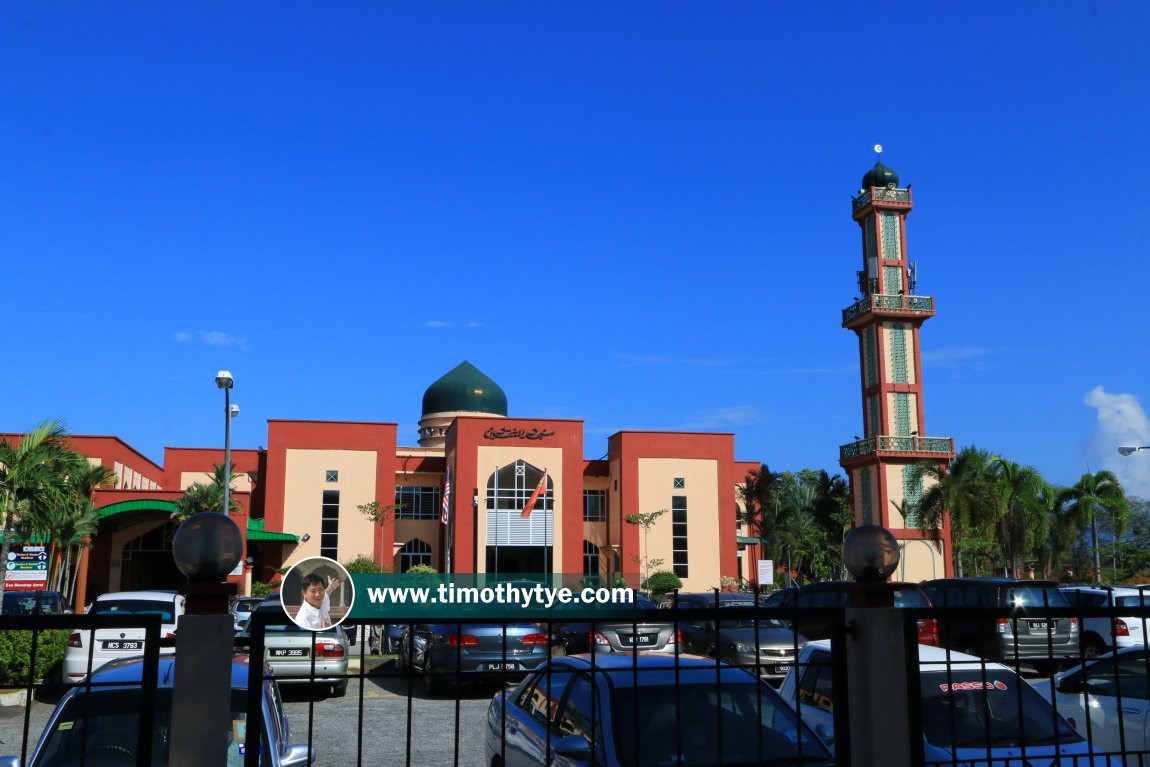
1121	421
436	324
209	337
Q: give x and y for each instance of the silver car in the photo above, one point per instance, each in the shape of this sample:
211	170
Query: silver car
297	655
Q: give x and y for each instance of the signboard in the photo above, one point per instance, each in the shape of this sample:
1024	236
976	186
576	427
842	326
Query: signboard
766	572
27	570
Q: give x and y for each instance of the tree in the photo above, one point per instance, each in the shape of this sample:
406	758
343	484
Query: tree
967	491
646	521
30	478
1018	487
200	497
1092	494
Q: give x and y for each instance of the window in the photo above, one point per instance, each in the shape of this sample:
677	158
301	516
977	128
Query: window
542	697
594	505
680	483
414	552
417	502
590	561
815	686
580	715
679	534
329	525
332	475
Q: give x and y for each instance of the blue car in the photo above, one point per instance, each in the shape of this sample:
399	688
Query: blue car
646	710
97	724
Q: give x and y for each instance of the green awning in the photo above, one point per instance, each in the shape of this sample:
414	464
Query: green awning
749	541
256	532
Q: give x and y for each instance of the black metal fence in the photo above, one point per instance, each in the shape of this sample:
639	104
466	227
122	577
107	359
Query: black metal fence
424	703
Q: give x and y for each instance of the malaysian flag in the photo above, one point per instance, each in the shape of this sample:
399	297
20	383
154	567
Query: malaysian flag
446	507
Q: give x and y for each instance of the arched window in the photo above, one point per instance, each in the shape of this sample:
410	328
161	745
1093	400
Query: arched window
590	561
414	552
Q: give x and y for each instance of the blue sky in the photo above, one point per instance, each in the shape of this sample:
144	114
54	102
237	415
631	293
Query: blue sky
634	214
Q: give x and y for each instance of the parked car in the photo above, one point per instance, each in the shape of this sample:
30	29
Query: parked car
839	594
449	653
1097	634
99	724
763	645
34	602
645	709
613	635
88	650
300	656
974	711
1115	690
1014	624
241	609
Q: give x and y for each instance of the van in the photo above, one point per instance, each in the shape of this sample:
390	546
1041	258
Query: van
1008	619
34	602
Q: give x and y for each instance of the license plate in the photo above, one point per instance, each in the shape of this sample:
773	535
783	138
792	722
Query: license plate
638	639
1038	625
782	668
502	666
123	644
291	652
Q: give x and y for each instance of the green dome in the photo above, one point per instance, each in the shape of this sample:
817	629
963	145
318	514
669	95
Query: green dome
465	390
880	176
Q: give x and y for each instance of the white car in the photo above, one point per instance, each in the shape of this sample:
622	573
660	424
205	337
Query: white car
1115	690
88	650
972	710
1099	634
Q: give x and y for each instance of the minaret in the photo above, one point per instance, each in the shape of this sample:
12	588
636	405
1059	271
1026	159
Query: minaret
887	319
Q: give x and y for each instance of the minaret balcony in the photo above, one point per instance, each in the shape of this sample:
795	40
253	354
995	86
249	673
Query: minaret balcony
889	446
887	306
891	196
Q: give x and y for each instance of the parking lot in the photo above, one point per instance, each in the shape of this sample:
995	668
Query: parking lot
394	711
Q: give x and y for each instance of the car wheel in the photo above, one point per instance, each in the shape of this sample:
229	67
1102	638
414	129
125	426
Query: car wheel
339	689
1092	647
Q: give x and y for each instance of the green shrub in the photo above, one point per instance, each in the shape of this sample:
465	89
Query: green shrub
364	564
661	582
260	589
417	569
16	655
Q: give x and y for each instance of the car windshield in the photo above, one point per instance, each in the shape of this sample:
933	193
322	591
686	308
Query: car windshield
135	607
1038	596
970	709
102	727
1132	600
701	724
278	623
25	604
910	598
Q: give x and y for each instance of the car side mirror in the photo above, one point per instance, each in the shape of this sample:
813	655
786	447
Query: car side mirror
298	755
575	747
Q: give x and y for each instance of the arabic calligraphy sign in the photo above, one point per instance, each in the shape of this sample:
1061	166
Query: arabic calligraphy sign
506	433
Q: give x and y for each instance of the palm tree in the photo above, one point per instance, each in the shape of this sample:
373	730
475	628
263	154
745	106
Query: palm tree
30	480
1093	493
831	510
1018	487
764	511
206	497
75	520
966	491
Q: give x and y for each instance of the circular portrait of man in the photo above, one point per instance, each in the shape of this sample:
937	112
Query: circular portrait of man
317	593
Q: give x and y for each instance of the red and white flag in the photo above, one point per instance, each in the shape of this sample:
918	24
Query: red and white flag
540	489
446	509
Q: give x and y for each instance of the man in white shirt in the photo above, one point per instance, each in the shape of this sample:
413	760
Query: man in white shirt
315	611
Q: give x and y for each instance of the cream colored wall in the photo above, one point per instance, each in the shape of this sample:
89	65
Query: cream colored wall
306	471
919	561
488	459
241	484
656	486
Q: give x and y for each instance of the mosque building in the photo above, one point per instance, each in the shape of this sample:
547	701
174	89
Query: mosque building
484	492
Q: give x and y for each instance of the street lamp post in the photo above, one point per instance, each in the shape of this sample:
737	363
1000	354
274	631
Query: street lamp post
225	381
1132	449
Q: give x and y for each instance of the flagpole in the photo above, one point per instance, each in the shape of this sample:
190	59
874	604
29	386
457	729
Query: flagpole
498	527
